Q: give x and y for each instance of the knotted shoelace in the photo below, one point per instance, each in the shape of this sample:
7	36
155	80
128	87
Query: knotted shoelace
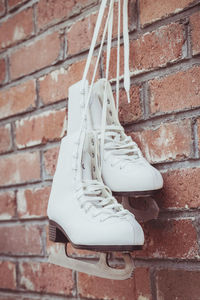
90	192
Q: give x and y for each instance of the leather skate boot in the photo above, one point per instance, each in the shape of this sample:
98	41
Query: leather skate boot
83	212
124	169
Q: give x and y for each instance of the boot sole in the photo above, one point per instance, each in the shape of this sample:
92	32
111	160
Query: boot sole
57	234
137	194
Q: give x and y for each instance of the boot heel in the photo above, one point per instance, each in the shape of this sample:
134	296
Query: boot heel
55	234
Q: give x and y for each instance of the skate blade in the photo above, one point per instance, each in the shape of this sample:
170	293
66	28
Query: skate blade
99	269
142	215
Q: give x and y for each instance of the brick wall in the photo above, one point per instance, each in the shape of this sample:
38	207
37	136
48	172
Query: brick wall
43	48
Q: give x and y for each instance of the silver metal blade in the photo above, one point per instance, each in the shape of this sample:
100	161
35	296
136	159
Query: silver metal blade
100	268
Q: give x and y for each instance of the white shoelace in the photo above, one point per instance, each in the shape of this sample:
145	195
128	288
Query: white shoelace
121	146
90	193
92	189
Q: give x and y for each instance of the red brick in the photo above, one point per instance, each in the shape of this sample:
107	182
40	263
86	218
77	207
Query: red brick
195	28
50	11
7	205
169	239
2	7
54	86
21	240
181	189
50	160
32	203
43	52
157	48
152	50
176	91
152	10
2	70
45	278
138	287
17	99
8	275
48	126
16	28
14	3
5	138
83	29
177	284
130	112
19	168
168	142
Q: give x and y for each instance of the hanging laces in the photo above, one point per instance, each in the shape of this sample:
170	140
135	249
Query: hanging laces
87	94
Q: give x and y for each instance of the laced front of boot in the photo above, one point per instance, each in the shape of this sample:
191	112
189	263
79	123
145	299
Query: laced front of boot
94	197
96	200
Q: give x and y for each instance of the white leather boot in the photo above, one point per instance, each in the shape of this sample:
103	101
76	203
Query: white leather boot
81	208
124	169
82	211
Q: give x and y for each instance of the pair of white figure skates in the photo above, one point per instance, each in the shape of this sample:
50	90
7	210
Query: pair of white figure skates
97	160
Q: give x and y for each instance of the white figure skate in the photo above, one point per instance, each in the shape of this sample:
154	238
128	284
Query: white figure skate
124	169
83	212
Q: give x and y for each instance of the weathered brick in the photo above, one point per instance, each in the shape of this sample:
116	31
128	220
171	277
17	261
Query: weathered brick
2	70
2	7
7	205
8	275
16	28
130	112
21	240
15	3
169	239
47	126
54	86
45	278
153	10
36	55
177	284
83	29
138	287
158	47
19	168
50	160
17	99
51	12
5	138
174	92
195	29
168	142
32	203
151	50
181	189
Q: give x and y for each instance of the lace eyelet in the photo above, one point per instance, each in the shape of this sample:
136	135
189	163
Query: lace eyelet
94	169
108	101
110	112
92	154
92	142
